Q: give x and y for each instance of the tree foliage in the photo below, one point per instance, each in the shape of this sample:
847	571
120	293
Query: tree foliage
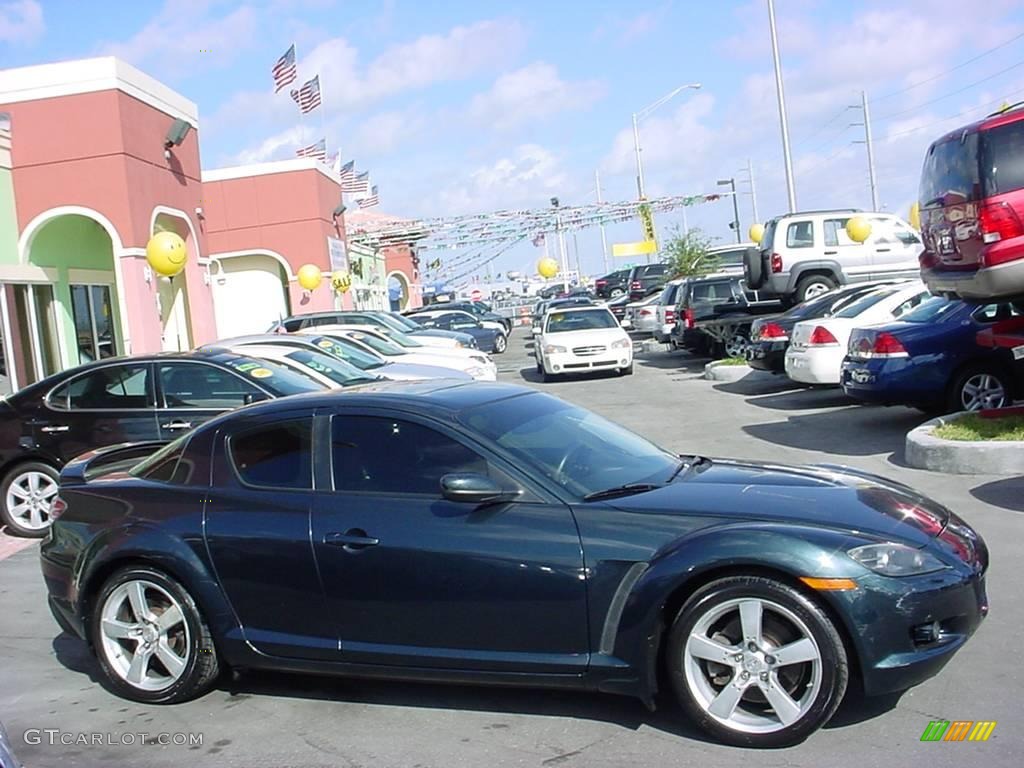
687	254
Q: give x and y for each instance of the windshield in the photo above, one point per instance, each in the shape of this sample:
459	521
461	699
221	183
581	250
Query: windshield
336	370
932	310
403	340
349	352
389	321
403	322
586	320
377	344
272	376
866	302
581	451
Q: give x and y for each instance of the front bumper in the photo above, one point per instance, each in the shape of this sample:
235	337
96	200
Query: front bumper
568	362
819	365
884	613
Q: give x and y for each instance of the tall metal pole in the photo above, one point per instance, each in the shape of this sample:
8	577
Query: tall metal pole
604	236
639	164
783	121
871	151
736	210
561	246
753	191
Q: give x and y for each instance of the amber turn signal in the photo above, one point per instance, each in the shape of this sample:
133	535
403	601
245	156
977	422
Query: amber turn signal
835	585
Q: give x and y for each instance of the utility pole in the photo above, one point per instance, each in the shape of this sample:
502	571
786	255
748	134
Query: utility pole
753	190
871	151
604	236
783	120
561	246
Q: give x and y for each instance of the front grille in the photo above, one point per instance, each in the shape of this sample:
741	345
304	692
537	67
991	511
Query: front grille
596	350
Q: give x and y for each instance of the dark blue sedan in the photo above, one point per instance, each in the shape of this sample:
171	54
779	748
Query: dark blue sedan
487	339
931	360
490	533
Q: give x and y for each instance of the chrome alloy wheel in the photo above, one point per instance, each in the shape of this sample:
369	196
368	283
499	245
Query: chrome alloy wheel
753	665
737	345
29	497
144	636
982	390
816	289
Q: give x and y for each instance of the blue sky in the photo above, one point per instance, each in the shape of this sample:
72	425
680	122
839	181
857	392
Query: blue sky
463	107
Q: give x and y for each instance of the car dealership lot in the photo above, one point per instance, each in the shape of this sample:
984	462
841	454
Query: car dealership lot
48	680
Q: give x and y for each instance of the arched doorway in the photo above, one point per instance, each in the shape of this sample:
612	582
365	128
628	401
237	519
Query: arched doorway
398	291
60	304
172	292
250	292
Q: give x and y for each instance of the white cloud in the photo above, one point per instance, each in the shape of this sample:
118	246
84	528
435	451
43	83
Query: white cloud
384	132
21	21
531	93
277	147
526	177
184	38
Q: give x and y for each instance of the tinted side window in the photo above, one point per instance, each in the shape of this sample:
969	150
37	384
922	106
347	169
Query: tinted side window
379	455
800	234
114	387
195	385
1002	158
276	455
950	174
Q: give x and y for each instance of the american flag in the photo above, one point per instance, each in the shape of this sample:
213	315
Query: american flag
358	183
370	200
347	172
308	96
284	69
317	150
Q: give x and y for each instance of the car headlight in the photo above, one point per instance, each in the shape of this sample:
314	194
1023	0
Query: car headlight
459	344
475	372
480	359
554	349
622	344
892	559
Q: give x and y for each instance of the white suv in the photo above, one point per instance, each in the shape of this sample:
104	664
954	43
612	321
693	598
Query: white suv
803	255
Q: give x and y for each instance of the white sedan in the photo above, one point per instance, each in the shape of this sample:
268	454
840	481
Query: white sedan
476	364
642	315
817	347
577	340
322	368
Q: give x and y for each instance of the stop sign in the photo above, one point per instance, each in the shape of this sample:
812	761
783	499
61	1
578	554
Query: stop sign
476	295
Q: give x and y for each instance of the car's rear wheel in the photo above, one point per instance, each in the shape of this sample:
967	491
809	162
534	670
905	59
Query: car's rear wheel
150	638
978	388
814	285
737	345
500	343
27	492
755	662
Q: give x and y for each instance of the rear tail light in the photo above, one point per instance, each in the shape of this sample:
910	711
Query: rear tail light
772	331
601	282
776	263
927	260
884	344
999	222
636	285
688	317
57	507
822	337
670	315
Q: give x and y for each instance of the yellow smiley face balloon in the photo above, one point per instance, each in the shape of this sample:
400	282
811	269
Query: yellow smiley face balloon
166	253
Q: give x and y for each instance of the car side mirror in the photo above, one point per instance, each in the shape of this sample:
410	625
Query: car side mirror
254	397
472	488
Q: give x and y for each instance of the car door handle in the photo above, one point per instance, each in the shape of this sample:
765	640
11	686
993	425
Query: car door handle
884	250
177	425
831	253
55	428
352	539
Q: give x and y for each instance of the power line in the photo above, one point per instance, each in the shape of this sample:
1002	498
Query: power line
891	115
961	65
829	122
984	107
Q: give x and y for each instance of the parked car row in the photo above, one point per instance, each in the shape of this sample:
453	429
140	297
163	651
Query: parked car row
158	397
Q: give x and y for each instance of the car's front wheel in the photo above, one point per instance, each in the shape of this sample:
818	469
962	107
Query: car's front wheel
500	344
27	492
755	662
150	638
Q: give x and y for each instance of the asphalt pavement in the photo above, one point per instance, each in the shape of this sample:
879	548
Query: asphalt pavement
49	680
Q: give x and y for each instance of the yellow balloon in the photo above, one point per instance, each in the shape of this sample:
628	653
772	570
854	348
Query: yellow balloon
756	232
858	228
309	276
341	281
547	267
915	216
166	253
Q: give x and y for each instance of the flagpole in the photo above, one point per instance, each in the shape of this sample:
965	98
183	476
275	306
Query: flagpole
323	123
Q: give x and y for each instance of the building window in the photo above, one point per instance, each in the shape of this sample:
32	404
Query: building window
92	310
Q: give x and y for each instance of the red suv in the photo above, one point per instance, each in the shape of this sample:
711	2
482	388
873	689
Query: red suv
972	210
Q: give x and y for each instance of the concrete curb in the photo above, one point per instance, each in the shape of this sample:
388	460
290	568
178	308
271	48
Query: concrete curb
715	371
962	457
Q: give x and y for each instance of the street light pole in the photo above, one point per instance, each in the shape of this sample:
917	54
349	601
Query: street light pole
637	117
604	236
783	121
731	183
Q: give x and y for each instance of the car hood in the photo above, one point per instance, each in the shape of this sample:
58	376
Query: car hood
440	333
579	338
823	495
407	371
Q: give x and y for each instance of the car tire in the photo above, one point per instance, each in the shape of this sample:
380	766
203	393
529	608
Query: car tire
753	269
814	285
987	387
737	345
540	367
25	497
627	371
616	292
734	692
186	639
500	343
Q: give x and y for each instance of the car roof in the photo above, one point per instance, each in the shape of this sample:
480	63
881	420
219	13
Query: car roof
280	339
572	308
997	119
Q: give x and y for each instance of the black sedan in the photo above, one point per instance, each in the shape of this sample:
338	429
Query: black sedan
112	401
491	533
769	336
